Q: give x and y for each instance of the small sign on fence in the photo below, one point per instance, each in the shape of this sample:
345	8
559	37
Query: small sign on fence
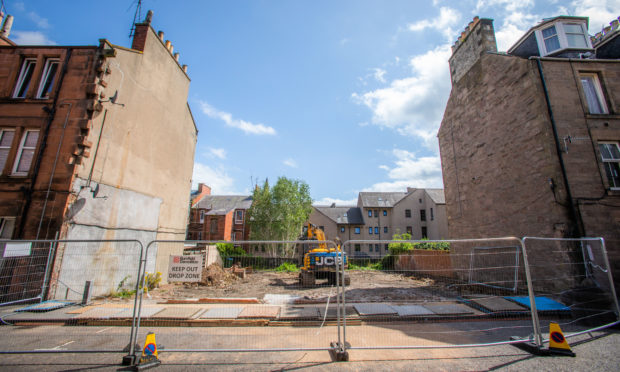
17	250
185	268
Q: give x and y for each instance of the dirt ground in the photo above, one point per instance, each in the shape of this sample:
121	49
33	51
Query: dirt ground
365	286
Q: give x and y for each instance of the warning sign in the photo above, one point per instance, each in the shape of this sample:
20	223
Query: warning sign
185	268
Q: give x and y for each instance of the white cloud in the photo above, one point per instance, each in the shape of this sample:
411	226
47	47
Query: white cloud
339	202
217	178
413	106
245	126
601	12
447	18
379	75
218	153
344	41
290	163
410	171
40	21
30	38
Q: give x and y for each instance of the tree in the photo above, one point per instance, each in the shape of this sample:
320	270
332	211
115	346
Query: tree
279	213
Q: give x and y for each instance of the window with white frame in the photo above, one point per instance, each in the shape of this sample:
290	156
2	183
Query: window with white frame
25	153
202	216
48	77
239	216
575	35
551	39
593	92
610	155
24	78
6	140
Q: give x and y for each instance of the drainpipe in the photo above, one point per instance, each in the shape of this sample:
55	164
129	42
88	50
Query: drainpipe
577	229
35	172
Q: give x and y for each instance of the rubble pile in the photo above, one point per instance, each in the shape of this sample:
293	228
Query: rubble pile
214	276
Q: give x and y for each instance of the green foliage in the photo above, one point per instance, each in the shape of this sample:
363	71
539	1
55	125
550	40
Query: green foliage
288	267
229	250
368	266
279	213
151	280
121	291
404	247
400	247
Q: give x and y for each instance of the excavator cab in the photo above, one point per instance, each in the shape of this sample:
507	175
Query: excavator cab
320	261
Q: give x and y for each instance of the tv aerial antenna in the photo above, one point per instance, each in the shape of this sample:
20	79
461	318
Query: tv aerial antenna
136	17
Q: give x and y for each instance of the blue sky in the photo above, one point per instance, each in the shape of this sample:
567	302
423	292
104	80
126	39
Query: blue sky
346	95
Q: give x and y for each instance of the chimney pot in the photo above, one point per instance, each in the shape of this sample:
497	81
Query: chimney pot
176	56
6	27
160	34
168	44
185	68
149	17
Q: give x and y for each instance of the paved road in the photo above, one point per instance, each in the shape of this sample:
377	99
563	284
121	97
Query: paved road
596	352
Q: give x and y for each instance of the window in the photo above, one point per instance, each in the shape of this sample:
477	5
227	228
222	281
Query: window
25	77
342	229
357	230
202	216
432	215
376	213
358	247
48	77
370	230
575	35
420	200
387	247
369	213
6	139
385	229
409	230
199	235
594	94
376	247
384	213
213	225
424	232
322	228
23	160
369	247
7	224
233	236
376	230
550	37
408	213
610	155
239	216
422	215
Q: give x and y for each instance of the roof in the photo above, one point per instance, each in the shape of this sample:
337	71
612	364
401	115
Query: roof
380	199
436	195
222	204
343	215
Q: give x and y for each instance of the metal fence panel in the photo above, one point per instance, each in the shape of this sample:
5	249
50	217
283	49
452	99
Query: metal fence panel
249	298
436	294
572	283
75	291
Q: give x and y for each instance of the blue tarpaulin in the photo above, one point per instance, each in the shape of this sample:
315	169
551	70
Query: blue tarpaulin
542	303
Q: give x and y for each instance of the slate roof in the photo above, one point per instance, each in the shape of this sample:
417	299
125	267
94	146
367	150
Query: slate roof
380	199
222	204
437	195
343	215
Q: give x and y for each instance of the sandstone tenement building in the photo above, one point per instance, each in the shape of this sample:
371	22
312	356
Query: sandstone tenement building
530	138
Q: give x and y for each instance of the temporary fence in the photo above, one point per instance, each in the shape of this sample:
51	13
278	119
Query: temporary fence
62	273
572	285
250	296
436	294
251	300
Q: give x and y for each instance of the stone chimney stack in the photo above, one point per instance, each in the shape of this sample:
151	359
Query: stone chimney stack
477	39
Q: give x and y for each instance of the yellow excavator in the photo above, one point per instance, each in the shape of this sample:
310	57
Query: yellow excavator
319	260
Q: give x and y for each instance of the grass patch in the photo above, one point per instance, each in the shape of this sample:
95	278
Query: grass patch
287	267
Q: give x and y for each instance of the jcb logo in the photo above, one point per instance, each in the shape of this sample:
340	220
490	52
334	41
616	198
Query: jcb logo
327	261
